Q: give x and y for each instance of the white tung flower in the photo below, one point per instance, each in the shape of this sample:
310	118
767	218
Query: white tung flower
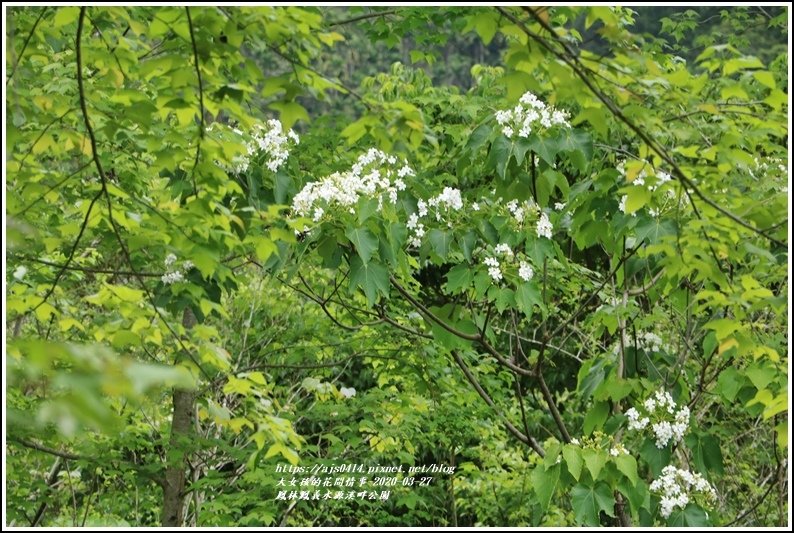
347	392
667	425
494	269
525	271
172	277
371	176
504	249
675	487
544	227
530	114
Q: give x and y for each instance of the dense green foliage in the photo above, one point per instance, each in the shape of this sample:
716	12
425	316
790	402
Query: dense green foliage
195	296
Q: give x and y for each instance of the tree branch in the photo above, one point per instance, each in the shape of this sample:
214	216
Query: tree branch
363	17
25	45
201	99
478	338
91	270
40	447
526	439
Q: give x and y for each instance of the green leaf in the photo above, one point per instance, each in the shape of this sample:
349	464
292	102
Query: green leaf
594	460
467	242
652	231
440	241
65	15
627	465
527	296
521	147
588	502
364	241
145	376
124	338
730	383
765	78
485	25
596	116
723	327
741	63
372	277
573	459
459	277
657	458
127	294
500	154
579	144
637	495
544	483
761	376
264	248
478	137
636	198
290	113
690	516
504	299
595	417
706	454
545	147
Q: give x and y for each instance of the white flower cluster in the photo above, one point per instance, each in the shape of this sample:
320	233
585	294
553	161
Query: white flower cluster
525	271
447	201
647	340
618	449
494	269
772	169
675	486
374	175
174	275
269	139
274	142
530	114
544	227
659	178
347	392
666	423
504	249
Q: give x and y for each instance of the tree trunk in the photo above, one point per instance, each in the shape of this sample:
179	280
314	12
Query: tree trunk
176	458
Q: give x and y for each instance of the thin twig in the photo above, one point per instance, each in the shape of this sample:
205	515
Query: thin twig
201	100
478	338
51	451
52	188
527	439
91	270
363	17
25	44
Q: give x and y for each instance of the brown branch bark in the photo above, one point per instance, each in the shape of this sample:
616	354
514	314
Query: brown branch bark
184	402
